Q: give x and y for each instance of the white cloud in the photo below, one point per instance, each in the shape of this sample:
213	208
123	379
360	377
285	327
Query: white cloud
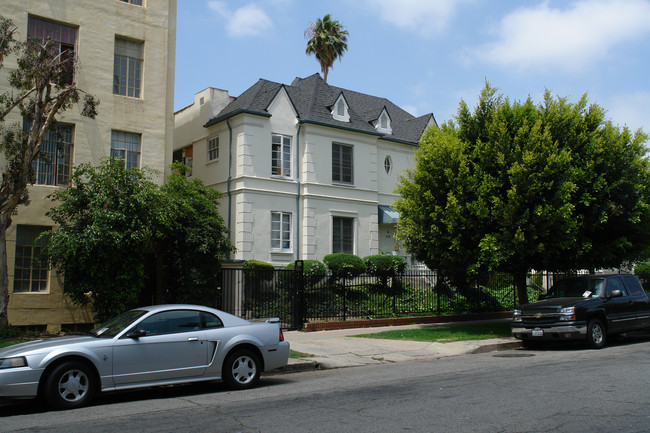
631	110
249	20
570	39
411	109
425	17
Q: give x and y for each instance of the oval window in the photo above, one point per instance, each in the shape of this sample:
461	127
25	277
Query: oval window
388	164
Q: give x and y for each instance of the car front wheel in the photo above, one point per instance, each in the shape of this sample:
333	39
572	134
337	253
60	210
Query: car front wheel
70	385
242	369
595	334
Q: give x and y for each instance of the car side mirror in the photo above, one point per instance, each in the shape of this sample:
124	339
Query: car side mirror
136	333
615	293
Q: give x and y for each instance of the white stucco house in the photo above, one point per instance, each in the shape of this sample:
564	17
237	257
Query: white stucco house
305	169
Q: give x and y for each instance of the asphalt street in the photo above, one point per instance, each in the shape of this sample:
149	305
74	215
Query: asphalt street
555	389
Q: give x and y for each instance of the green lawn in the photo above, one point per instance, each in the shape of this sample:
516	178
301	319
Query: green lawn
295	354
5	343
445	334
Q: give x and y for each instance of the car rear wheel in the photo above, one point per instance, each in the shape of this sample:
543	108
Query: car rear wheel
595	334
241	369
70	385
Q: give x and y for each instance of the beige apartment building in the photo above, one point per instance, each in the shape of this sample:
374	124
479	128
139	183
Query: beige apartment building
126	53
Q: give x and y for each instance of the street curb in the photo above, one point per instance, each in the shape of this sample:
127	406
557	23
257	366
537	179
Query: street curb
497	347
298	366
302	365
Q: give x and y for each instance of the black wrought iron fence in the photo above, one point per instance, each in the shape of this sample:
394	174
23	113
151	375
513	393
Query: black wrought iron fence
297	298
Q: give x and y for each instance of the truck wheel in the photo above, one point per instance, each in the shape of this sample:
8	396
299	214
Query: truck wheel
69	386
241	369
595	334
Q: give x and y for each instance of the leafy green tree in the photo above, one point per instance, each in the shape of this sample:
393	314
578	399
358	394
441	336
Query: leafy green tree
193	241
42	87
327	41
114	222
515	186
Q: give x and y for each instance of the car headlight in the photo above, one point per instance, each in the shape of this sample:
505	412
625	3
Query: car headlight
516	315
567	314
19	361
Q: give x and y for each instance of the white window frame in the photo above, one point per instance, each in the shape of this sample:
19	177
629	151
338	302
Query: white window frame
335	248
383	123
212	153
281	159
338	177
388	164
336	110
281	232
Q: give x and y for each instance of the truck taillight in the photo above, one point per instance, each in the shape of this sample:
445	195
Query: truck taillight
281	335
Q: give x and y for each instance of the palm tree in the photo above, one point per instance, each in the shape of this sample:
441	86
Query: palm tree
328	41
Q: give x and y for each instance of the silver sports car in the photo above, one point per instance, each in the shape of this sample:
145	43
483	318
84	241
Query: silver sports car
150	346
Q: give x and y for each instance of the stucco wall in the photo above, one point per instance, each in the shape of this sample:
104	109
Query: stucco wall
98	22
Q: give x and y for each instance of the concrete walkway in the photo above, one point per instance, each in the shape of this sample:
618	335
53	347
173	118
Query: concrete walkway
337	349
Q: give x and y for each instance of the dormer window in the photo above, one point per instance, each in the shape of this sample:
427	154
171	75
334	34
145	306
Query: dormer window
383	123
340	110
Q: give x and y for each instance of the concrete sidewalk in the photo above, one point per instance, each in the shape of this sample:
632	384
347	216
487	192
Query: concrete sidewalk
337	349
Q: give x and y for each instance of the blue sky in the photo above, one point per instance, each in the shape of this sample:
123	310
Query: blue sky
427	55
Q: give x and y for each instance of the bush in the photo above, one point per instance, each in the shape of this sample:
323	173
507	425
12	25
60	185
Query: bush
259	269
384	266
313	271
343	265
642	270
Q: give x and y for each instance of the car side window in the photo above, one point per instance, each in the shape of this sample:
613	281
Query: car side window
210	321
615	284
633	285
171	322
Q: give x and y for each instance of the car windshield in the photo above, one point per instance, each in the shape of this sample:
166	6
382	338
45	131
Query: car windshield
114	326
577	287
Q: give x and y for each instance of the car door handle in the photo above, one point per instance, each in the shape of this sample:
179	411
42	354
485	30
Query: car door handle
192	338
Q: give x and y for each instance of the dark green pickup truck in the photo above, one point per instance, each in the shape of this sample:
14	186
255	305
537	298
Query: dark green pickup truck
589	307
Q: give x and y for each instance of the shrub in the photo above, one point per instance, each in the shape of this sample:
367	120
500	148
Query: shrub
344	265
384	266
259	269
642	270
313	271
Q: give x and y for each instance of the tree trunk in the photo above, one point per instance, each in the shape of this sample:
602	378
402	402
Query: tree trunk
4	276
522	288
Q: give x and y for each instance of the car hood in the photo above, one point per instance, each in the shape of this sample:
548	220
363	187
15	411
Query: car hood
556	303
36	346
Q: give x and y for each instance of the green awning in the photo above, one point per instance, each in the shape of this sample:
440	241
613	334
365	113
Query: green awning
387	215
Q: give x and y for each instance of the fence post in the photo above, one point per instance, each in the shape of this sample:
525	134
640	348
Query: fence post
344	299
298	307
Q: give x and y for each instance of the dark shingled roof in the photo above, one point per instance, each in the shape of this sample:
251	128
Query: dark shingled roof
313	98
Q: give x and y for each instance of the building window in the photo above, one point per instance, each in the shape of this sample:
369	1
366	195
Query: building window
54	161
62	36
127	69
133	2
30	269
213	149
343	235
126	146
281	231
388	164
342	163
340	110
280	155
